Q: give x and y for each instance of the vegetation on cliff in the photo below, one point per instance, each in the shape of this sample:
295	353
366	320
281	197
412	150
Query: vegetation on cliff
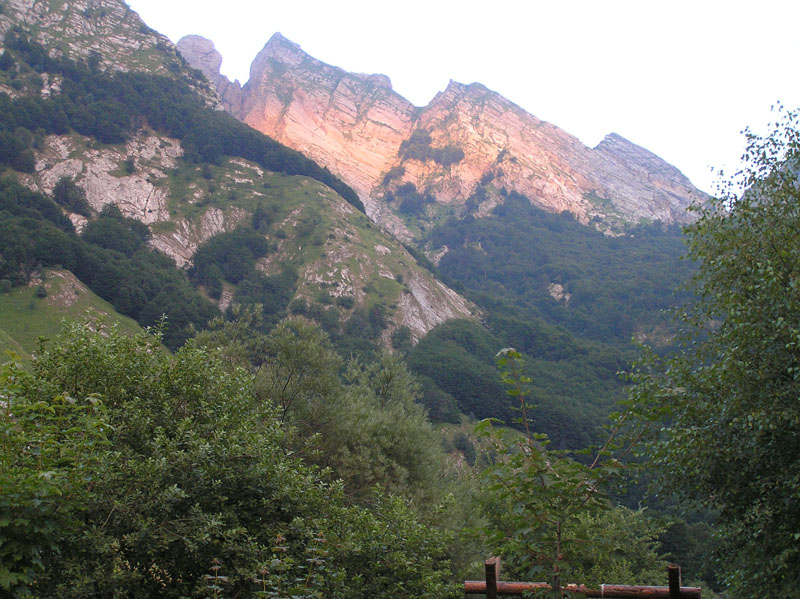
111	106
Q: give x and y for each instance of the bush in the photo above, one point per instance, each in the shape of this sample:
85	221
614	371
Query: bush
121	453
73	198
345	301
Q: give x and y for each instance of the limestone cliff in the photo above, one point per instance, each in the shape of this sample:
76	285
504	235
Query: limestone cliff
335	249
208	60
357	126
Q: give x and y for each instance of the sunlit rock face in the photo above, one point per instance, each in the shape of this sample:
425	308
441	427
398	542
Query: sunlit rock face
356	125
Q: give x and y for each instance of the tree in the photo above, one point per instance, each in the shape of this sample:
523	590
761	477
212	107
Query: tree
299	373
48	447
127	471
547	510
70	196
724	409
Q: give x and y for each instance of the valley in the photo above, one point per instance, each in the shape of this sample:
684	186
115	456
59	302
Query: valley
284	303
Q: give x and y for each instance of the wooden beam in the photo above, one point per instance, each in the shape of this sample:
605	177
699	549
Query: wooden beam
609	591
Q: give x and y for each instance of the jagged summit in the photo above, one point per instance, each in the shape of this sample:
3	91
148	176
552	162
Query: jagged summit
360	128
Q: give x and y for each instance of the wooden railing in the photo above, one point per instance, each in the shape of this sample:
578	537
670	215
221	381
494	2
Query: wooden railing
492	587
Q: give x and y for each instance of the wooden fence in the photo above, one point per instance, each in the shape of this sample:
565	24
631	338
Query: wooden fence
492	587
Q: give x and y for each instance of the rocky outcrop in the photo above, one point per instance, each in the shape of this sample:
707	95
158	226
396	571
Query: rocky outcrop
428	304
351	123
98	172
358	127
356	255
206	58
141	195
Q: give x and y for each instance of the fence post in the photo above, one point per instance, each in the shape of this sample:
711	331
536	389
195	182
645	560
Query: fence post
492	568
674	577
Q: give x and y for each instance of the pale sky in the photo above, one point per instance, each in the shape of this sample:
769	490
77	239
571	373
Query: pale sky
681	78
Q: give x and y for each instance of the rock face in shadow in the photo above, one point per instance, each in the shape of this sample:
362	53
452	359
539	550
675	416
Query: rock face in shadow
206	58
361	129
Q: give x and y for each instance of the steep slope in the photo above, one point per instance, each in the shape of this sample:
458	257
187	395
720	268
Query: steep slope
37	310
373	138
331	244
146	144
105	33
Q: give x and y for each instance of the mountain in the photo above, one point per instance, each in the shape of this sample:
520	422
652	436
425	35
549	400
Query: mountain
95	97
119	166
106	33
569	251
377	141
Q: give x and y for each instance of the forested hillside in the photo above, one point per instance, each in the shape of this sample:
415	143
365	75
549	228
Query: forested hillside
567	296
228	178
564	294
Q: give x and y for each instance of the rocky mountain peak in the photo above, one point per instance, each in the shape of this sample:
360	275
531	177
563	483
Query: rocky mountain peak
359	128
201	54
283	49
204	53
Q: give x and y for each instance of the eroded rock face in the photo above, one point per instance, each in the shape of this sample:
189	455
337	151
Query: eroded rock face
206	58
141	195
98	173
347	266
352	123
429	304
356	124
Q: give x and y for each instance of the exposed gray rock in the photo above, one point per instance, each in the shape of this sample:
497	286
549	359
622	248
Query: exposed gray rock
200	53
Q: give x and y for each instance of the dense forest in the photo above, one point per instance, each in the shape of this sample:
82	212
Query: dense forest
610	289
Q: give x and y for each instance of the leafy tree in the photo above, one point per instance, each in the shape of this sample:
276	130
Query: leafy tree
71	197
25	162
545	501
299	372
116	232
6	61
182	469
725	407
48	446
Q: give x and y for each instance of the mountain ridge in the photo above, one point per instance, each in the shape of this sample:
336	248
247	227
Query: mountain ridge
360	128
189	187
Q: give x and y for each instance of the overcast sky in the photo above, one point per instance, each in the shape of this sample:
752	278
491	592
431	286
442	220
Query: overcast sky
681	78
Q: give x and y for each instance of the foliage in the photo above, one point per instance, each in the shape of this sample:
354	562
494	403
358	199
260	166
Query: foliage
71	197
195	476
111	258
48	447
551	504
573	387
613	283
113	231
393	173
418	147
724	408
411	201
234	254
